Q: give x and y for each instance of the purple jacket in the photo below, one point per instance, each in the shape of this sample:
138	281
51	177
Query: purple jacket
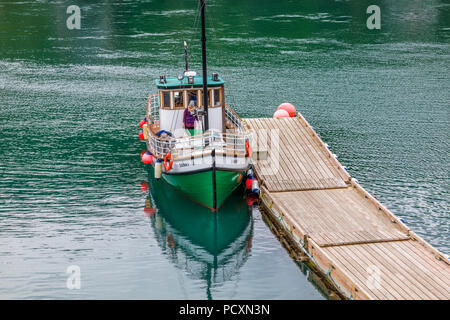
189	119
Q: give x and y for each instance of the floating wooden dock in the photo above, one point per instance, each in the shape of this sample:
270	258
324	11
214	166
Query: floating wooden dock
351	238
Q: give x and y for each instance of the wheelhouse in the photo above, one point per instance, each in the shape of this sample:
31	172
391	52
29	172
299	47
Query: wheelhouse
175	94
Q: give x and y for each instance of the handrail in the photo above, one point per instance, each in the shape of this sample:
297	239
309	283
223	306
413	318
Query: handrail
191	146
235	114
152	108
232	116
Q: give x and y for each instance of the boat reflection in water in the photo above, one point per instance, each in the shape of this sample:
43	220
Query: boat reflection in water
209	246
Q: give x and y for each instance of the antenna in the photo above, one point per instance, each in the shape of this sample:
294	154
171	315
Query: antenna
186	57
205	80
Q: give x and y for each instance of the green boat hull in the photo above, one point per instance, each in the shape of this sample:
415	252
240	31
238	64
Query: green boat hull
199	186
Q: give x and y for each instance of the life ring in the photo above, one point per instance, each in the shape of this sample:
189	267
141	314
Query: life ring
248	149
168	167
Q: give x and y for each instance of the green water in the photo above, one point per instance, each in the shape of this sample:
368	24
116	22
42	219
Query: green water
70	102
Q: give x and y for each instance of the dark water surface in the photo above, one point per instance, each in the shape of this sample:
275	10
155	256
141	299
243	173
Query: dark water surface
71	180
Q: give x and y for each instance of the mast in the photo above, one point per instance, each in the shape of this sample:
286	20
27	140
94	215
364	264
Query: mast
186	68
205	81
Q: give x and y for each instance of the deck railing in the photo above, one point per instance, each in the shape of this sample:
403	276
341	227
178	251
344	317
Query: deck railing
187	147
233	119
153	108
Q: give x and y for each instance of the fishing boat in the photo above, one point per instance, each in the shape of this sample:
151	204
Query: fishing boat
195	141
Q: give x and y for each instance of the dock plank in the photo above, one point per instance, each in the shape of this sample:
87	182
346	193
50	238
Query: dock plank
283	178
408	280
303	163
335	216
345	231
370	266
290	171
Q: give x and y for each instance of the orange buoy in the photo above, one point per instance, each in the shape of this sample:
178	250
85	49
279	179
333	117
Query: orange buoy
281	114
147	158
289	107
141	135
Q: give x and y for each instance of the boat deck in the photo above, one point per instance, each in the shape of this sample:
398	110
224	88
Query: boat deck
358	244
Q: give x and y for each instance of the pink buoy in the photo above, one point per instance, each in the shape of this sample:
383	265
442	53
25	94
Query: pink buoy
141	135
289	107
142	153
141	124
147	158
281	114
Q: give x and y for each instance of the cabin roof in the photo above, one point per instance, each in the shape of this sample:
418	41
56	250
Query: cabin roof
173	82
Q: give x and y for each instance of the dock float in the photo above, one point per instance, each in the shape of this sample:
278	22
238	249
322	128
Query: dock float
355	242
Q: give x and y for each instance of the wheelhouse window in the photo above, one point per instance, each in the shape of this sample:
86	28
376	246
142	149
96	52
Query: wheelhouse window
216	98
193	96
166	99
178	99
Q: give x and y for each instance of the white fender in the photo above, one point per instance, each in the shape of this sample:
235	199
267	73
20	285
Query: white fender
255	186
158	169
